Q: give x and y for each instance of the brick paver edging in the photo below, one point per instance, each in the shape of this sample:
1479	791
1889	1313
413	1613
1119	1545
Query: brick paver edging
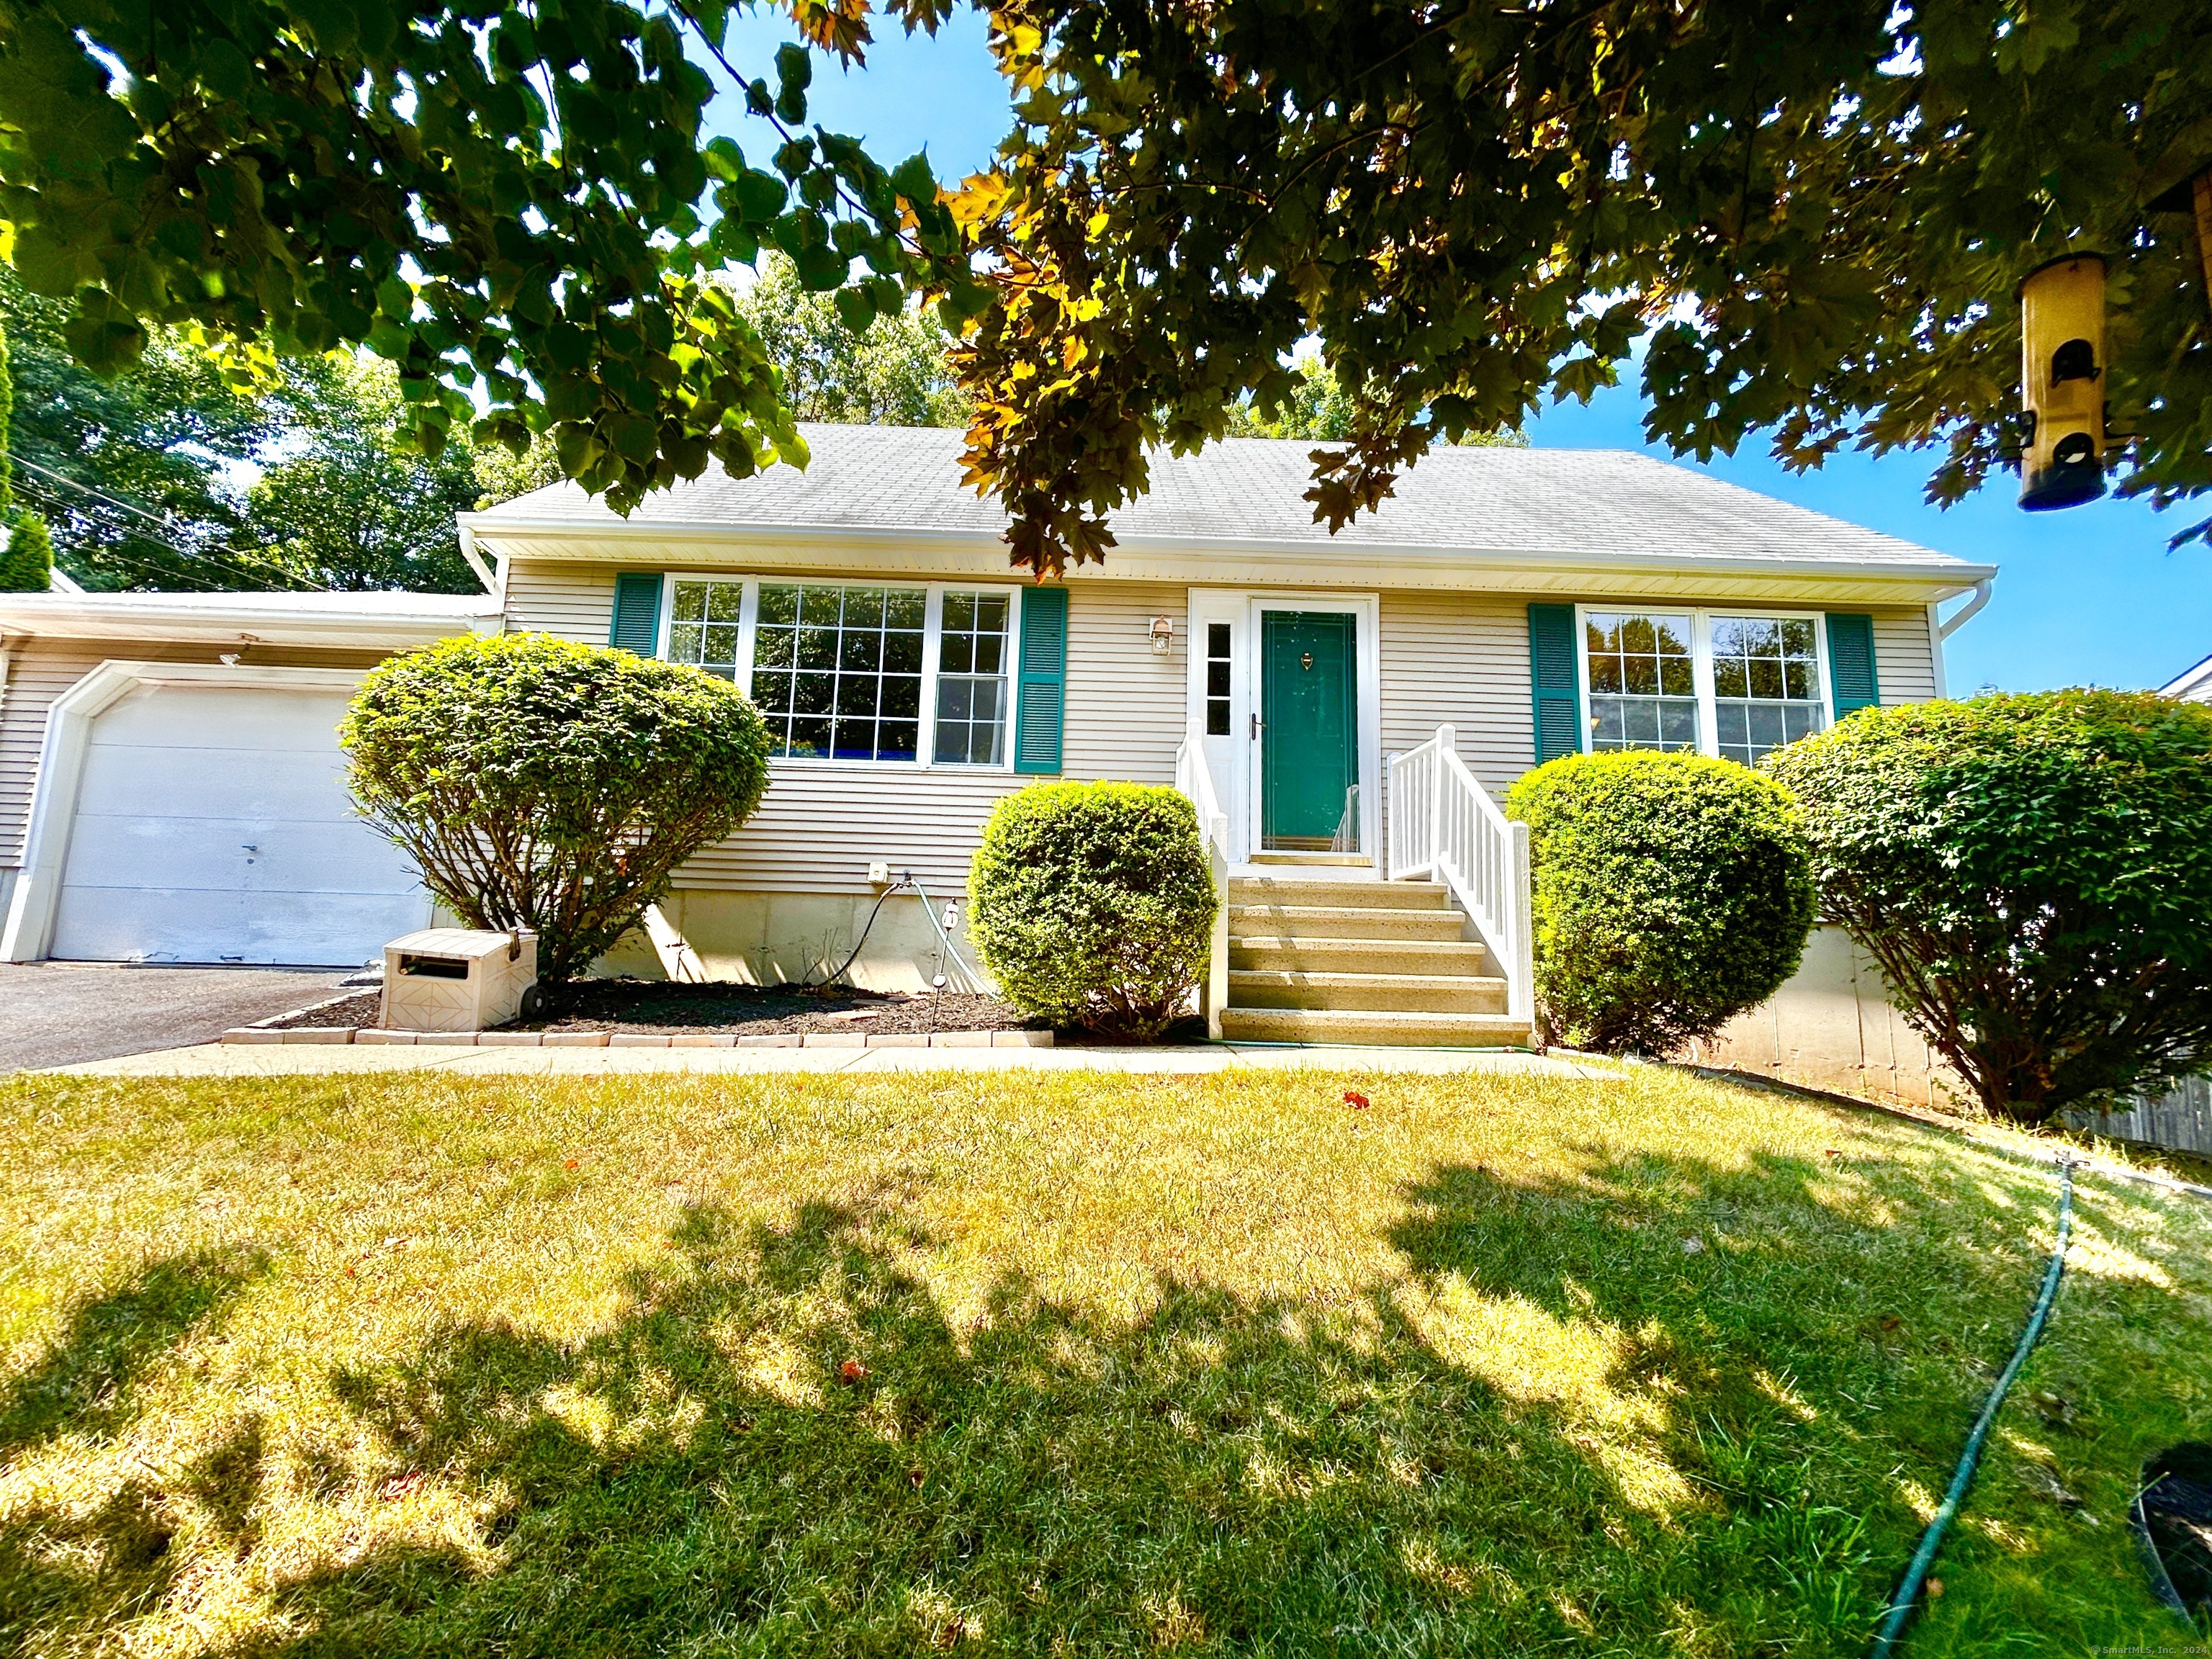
374	1035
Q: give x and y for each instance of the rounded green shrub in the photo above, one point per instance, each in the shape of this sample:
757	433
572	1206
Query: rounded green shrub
1672	893
2033	873
543	784
1092	904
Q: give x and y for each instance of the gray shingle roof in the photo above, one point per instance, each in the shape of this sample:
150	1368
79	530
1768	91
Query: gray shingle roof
1249	490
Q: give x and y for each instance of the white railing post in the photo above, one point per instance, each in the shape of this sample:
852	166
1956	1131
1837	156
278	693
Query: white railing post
1521	979
1444	825
1445	739
1195	780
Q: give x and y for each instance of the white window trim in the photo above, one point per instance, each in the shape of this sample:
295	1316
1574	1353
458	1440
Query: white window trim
1701	620
932	633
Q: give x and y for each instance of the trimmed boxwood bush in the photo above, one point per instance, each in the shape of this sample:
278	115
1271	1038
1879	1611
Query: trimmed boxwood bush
1092	904
1672	893
2034	875
543	784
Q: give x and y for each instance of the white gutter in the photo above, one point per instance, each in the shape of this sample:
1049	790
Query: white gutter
1965	612
476	560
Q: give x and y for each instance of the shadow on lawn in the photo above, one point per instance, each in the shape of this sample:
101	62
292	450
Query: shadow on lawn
786	1445
90	1569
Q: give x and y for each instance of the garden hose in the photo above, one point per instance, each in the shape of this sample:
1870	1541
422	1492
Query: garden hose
1902	1604
898	887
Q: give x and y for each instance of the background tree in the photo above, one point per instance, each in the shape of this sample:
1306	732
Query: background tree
27	562
510	204
343	502
2033	873
893	372
1808	219
166	475
1317	406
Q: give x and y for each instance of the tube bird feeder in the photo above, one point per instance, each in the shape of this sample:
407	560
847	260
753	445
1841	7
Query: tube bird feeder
2062	382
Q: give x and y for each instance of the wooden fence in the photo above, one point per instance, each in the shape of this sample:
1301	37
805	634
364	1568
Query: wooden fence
2181	1119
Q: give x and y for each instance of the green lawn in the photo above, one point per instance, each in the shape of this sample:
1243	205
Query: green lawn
1055	1363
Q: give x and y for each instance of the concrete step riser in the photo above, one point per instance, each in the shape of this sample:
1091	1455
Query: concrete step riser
1341	895
1367	994
1395	1030
1360	956
1300	921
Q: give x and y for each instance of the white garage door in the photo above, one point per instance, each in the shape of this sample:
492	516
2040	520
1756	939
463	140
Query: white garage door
213	824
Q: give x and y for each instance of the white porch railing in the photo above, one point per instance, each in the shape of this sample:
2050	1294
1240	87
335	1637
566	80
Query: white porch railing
1195	780
1444	827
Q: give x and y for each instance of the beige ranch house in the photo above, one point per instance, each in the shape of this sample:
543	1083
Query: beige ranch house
1347	710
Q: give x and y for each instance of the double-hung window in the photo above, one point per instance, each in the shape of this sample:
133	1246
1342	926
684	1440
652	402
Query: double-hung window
857	671
1738	685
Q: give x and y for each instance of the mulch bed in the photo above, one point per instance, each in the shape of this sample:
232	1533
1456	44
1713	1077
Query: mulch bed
659	1008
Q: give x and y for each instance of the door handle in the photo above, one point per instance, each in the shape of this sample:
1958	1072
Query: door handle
1255	728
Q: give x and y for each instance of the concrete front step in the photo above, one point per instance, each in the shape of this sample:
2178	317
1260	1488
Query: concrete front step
1403	993
1383	1030
1325	895
1260	952
1314	921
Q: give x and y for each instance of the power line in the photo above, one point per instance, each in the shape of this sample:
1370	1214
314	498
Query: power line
111	555
184	552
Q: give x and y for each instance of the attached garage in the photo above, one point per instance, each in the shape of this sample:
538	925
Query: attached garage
196	812
212	824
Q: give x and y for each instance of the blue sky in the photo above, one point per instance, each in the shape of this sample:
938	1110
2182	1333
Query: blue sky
2089	595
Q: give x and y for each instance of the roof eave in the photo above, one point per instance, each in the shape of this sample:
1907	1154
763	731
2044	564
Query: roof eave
1371	563
118	616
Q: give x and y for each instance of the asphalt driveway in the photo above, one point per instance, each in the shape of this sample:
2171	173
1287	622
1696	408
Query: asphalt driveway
62	1013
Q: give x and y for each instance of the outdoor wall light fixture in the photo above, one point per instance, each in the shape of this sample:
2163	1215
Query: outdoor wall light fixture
1163	634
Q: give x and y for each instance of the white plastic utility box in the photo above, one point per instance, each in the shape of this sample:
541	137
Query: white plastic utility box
451	978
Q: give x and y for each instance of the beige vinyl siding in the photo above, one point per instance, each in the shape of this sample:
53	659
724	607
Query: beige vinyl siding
1126	703
40	670
823	822
1462	660
570	601
1904	660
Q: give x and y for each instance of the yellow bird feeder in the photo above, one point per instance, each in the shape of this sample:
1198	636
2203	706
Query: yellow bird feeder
2062	382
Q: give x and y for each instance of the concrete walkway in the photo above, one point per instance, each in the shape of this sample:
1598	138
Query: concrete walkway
301	1059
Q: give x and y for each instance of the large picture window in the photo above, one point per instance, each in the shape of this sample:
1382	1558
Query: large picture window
855	672
1735	685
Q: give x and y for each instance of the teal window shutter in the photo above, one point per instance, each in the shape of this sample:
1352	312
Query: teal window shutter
1041	713
1554	681
636	625
1852	682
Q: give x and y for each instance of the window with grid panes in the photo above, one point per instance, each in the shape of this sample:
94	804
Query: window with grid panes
1766	683
1644	692
971	679
702	625
837	671
1217	679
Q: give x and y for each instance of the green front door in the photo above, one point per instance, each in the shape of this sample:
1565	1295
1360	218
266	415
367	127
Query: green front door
1309	731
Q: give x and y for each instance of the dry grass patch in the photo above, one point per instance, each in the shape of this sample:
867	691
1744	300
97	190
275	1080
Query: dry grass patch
1053	1363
